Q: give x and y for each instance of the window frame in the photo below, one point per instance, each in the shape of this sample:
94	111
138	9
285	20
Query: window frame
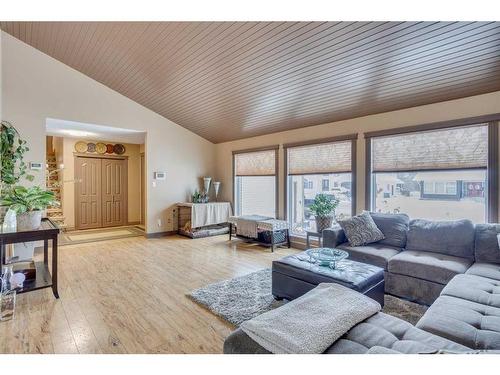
325	186
308	184
276	173
349	137
492	122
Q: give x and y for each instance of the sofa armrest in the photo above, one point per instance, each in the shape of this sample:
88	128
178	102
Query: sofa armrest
333	237
238	342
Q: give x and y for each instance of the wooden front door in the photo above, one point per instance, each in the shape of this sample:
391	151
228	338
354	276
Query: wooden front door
88	193
101	193
114	181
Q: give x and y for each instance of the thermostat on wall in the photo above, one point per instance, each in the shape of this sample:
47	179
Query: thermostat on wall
160	175
36	166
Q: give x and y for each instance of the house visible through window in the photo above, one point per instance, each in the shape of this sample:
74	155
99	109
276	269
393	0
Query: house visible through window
325	185
314	169
308	184
255	183
435	174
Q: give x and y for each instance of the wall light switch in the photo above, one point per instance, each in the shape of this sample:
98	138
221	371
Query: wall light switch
160	175
36	166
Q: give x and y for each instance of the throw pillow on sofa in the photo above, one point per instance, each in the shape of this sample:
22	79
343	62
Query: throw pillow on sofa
361	230
393	226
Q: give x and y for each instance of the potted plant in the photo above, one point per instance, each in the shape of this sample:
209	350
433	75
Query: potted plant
12	165
28	203
12	150
323	209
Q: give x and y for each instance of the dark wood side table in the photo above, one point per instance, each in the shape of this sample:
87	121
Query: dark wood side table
47	231
313	234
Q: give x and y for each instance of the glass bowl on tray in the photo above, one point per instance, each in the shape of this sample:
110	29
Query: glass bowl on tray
326	256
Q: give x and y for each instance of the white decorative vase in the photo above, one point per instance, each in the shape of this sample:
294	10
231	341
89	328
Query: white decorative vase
29	220
216	189
206	184
10	221
3	211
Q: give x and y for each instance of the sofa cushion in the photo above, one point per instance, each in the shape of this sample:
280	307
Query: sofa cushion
489	270
486	246
393	226
379	331
423	292
468	323
375	253
475	289
361	229
382	330
425	265
454	238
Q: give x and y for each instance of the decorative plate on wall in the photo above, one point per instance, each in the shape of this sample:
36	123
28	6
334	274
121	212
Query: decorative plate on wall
100	148
91	147
81	146
119	149
109	148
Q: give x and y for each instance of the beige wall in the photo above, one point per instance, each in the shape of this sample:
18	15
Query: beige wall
36	87
66	156
455	109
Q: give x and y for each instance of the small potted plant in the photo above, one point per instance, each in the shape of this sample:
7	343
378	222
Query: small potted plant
323	209
28	203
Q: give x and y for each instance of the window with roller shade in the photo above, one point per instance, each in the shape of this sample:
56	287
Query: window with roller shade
312	169
434	174
255	182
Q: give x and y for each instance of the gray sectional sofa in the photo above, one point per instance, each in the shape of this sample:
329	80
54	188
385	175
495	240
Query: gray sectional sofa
419	256
453	266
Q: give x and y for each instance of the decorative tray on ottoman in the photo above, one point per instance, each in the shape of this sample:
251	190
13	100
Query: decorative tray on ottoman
325	256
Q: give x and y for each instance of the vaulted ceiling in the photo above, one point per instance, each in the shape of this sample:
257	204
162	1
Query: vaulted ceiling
231	80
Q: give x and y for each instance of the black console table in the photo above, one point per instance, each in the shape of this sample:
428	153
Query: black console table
47	231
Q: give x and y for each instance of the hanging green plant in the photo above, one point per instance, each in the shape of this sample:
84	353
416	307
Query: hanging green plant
12	150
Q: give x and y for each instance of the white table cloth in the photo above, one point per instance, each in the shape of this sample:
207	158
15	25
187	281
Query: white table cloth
203	214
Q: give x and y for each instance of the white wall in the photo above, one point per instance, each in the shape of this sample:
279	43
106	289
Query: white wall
36	86
454	109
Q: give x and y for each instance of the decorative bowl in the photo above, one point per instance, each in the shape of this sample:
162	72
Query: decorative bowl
326	256
100	148
119	149
81	146
90	147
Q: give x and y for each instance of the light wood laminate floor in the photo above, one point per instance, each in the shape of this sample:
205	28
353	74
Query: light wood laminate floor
128	296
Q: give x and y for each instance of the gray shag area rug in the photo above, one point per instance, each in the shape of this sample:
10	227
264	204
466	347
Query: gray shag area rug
242	298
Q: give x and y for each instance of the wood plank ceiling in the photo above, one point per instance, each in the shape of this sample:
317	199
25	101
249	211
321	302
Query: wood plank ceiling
231	80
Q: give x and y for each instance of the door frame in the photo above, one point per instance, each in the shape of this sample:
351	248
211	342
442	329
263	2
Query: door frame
76	156
143	188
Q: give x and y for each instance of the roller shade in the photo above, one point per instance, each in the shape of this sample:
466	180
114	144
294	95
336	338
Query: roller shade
463	147
257	163
324	158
